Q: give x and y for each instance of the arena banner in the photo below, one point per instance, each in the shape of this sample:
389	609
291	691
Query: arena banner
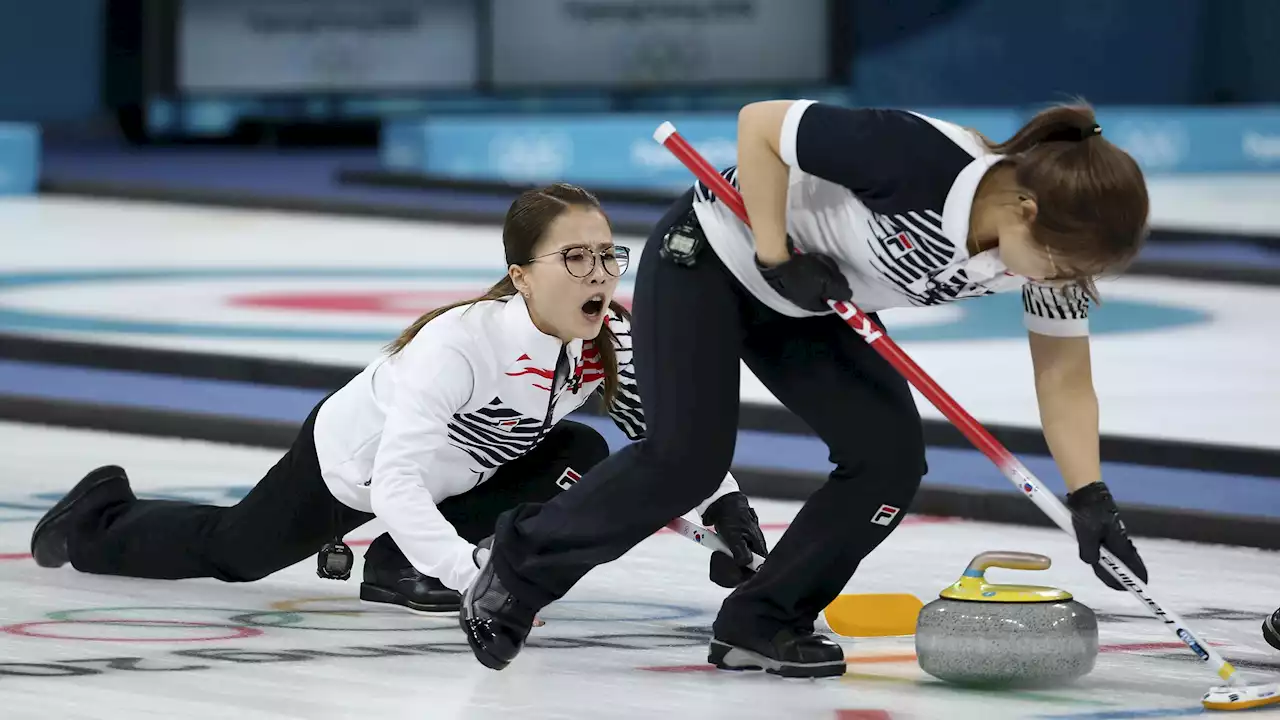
599	150
298	46
617	150
1197	139
19	158
629	43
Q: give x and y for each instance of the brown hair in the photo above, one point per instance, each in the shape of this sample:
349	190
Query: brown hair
1091	195
527	221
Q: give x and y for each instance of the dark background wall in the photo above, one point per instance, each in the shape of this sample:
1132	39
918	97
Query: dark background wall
913	52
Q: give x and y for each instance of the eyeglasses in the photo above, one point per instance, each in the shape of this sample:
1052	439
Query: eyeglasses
581	261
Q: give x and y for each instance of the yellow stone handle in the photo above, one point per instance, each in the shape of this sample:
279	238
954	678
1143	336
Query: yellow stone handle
973	584
1006	559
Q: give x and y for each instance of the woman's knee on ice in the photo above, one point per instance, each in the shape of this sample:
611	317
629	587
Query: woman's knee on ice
585	446
235	564
384	552
229	560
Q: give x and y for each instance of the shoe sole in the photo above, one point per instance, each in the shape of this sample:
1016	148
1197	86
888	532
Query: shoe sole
382	596
1270	632
87	485
728	657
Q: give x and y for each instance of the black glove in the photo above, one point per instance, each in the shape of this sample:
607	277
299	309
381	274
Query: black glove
1097	523
809	280
736	523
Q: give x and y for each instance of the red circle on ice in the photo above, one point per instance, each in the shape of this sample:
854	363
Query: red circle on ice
229	632
376	302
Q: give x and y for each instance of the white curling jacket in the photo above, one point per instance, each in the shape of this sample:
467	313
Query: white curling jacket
471	392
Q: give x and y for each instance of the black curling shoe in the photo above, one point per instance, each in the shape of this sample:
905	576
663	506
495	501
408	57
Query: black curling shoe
408	588
1271	630
495	622
789	654
99	488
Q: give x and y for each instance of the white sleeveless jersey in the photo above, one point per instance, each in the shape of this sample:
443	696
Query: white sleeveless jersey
887	194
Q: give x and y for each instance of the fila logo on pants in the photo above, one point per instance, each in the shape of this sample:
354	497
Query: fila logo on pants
568	478
884	515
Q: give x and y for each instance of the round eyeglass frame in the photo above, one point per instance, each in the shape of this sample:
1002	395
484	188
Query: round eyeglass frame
621	253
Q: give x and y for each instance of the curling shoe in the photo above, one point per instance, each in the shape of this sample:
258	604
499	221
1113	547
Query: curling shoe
1271	630
495	622
96	490
789	654
408	588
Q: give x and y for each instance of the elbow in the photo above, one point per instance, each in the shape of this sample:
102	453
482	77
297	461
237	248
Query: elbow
394	493
746	122
751	112
761	120
748	114
383	496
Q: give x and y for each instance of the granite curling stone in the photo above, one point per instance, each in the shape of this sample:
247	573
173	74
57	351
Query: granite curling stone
981	634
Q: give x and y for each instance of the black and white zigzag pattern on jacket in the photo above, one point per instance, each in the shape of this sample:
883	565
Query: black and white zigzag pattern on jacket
625	410
702	192
494	434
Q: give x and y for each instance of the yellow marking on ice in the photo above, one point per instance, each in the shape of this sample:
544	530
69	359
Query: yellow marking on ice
873	614
296	604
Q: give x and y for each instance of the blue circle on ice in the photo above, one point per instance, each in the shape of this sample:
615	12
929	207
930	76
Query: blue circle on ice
985	318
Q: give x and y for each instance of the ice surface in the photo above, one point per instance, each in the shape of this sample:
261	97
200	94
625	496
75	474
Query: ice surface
628	642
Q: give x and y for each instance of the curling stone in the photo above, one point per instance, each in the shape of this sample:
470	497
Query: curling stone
982	634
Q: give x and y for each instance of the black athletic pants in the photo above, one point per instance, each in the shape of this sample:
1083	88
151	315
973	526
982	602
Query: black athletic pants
290	514
690	327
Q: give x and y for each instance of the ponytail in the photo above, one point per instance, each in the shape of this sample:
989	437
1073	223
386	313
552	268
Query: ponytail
501	290
605	343
1062	123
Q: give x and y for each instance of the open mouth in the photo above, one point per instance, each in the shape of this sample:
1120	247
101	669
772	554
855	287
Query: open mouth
593	306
